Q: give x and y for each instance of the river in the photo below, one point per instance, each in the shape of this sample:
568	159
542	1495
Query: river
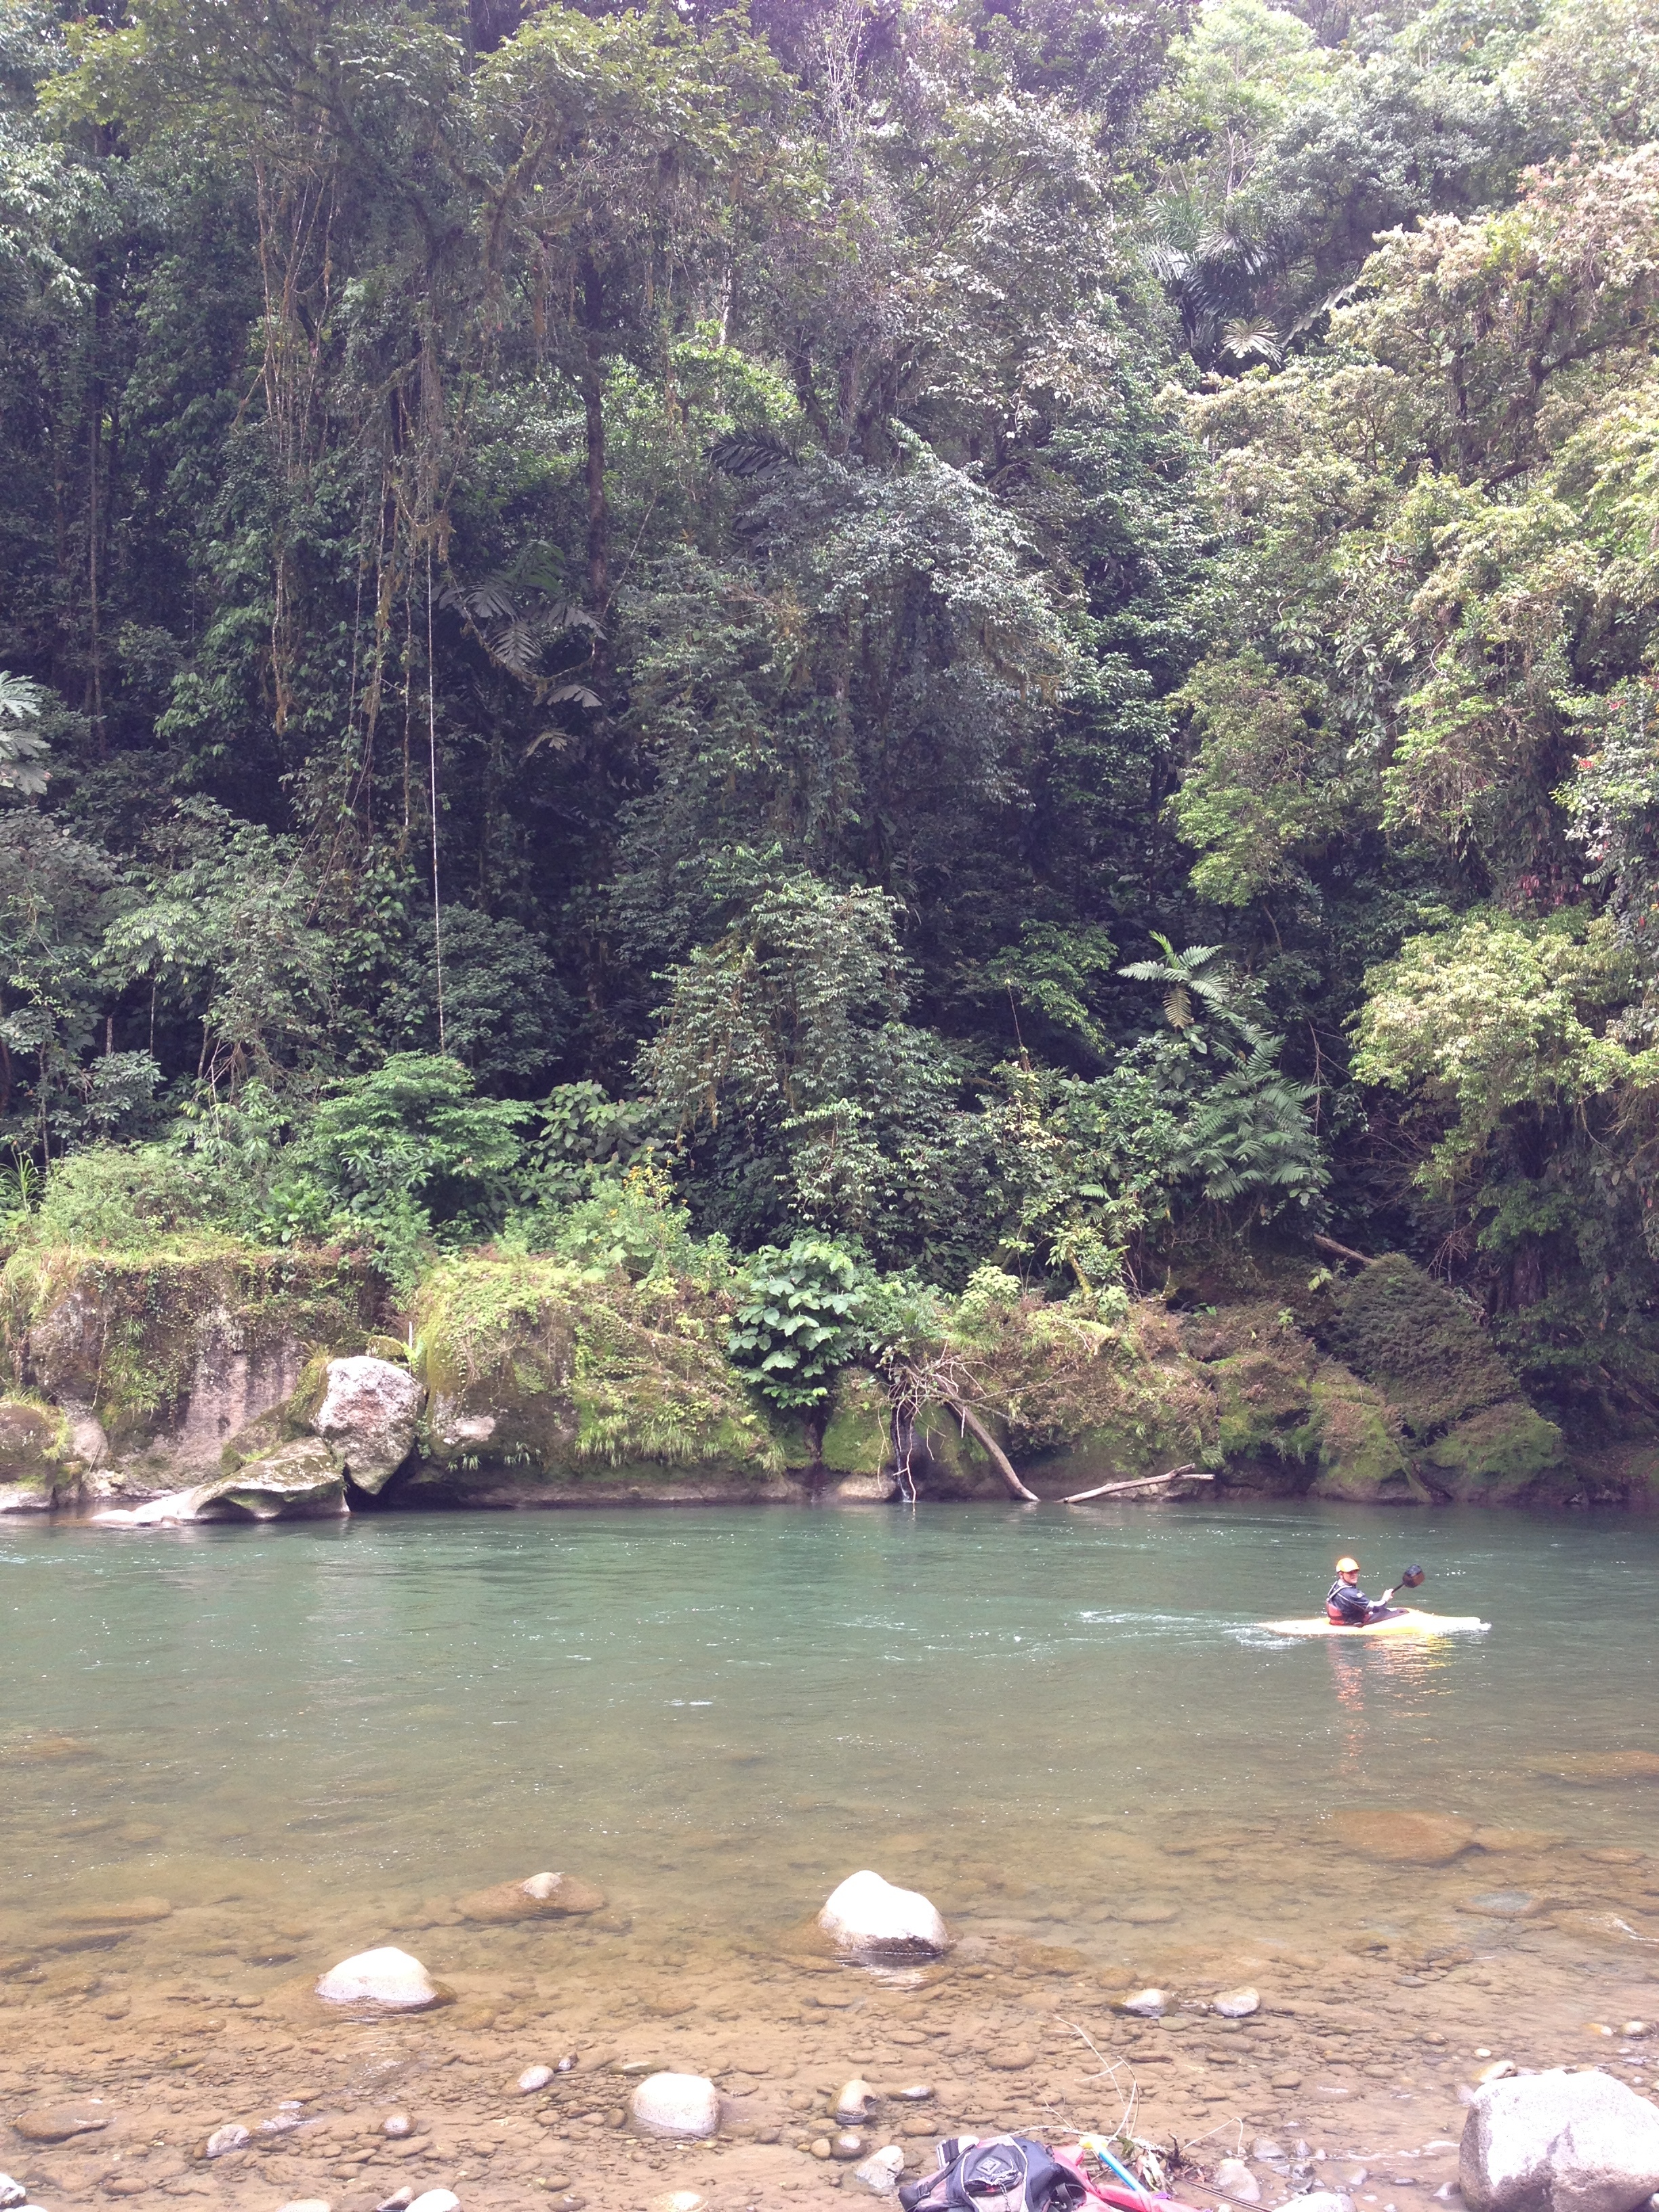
298	1741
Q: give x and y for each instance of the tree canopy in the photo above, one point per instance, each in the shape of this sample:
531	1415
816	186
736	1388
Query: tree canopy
956	632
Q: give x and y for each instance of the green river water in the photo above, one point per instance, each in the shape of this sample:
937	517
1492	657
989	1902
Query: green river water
1064	1726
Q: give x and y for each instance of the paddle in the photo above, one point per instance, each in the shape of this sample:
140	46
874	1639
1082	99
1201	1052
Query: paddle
1412	1579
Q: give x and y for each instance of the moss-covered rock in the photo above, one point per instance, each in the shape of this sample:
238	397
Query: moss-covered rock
1292	1420
174	1348
34	1447
857	1435
543	1377
1471	1432
1361	1457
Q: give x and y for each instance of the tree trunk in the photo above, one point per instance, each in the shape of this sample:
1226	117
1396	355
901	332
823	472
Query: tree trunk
998	1458
592	377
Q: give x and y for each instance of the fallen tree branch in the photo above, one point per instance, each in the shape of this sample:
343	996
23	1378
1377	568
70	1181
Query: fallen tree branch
988	1443
1188	1473
1343	1251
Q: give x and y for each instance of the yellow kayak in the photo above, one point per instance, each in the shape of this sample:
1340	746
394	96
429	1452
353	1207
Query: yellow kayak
1404	1620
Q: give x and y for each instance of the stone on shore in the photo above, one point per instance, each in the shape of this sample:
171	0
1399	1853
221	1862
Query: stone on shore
879	2172
686	2107
56	2123
1234	2178
1236	2004
385	1981
541	1897
1558	2143
368	1415
868	1919
1401	1836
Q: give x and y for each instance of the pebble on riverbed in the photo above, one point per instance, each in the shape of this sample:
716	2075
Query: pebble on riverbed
534	2078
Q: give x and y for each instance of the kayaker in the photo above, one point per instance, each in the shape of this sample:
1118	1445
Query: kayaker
1347	1605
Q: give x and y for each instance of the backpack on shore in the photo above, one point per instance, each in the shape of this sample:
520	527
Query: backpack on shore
999	2173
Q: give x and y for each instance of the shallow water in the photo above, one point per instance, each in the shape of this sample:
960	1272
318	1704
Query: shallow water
1064	1726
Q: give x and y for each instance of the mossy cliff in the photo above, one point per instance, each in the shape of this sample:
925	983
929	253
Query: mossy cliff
130	1374
546	1382
153	1361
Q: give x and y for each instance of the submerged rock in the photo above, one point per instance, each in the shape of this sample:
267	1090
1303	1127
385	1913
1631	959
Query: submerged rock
1558	2143
868	1919
1234	2178
1386	1832
541	1897
385	1981
369	1412
686	2107
855	2100
232	2136
56	2123
1238	2004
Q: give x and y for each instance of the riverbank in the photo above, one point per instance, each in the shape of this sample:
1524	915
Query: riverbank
211	1381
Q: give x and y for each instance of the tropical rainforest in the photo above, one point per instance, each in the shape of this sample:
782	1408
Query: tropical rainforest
932	634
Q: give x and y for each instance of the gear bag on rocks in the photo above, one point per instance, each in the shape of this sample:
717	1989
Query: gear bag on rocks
999	2173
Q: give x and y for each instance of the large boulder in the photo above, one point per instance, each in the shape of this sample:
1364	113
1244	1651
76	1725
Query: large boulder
867	1918
384	1980
298	1482
543	1896
1558	2143
368	1414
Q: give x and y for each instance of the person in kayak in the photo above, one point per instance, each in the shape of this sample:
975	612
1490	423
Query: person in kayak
1347	1605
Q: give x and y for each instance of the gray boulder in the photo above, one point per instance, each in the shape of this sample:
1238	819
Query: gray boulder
1558	2143
368	1414
302	1480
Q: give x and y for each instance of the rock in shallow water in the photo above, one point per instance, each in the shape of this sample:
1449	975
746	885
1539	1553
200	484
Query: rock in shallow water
855	2100
11	2193
534	2078
1238	2004
1144	2004
686	2107
437	2200
1234	2178
232	2136
56	2123
1558	2143
1321	2200
1403	1837
867	1917
387	1980
541	1897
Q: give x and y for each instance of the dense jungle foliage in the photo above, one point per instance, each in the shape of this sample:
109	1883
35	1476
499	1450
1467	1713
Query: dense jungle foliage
899	634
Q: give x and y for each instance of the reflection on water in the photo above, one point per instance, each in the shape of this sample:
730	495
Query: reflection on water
1065	1726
